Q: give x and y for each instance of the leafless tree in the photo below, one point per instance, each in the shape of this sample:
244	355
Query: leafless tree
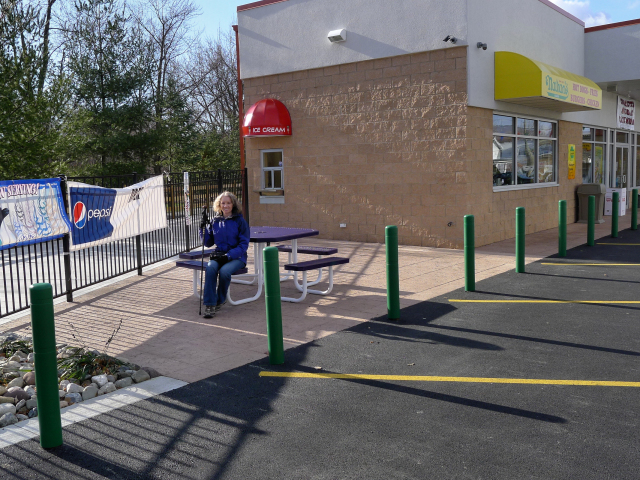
213	79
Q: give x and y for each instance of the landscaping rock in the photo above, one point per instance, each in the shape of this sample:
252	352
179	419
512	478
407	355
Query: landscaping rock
124	382
33	413
22	417
20	404
63	404
89	392
73	388
31	357
15	358
30	391
32	402
17	393
2	390
11	366
100	380
7	400
153	373
8	419
111	378
29	378
125	373
7	408
140	376
72	398
64	383
16	382
61	393
108	388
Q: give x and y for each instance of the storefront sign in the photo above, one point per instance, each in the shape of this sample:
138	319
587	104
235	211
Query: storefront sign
267	118
567	90
572	162
31	211
626	113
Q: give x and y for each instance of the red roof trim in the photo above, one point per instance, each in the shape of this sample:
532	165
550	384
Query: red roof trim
612	25
563	12
261	3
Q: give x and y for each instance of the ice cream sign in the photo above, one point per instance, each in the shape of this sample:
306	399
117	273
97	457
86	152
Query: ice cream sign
567	90
626	113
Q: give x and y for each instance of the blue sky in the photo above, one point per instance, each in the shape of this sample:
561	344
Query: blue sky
221	14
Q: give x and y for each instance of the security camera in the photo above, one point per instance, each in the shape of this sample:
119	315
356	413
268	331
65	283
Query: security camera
482	45
450	38
335	36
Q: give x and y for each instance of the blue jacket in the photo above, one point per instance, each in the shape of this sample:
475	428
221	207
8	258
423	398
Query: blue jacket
231	236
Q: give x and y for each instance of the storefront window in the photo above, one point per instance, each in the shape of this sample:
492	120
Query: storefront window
272	171
534	158
593	148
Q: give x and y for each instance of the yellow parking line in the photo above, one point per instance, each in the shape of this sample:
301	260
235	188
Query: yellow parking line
421	378
618	243
594	264
545	301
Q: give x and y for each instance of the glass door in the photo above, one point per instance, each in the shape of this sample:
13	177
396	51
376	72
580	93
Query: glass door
621	167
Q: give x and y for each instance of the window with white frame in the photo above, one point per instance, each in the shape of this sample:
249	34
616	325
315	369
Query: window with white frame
272	171
524	151
594	151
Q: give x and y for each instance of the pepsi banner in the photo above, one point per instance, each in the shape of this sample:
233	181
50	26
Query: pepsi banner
103	215
31	211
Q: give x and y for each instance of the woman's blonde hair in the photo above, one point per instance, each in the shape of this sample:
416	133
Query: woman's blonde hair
236	206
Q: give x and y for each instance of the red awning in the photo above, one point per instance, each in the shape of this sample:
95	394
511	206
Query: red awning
268	117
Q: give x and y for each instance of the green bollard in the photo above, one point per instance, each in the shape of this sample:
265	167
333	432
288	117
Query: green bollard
469	254
393	272
591	226
273	303
634	209
520	234
46	364
562	228
614	214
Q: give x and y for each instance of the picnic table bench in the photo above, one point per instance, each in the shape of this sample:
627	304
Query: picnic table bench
304	267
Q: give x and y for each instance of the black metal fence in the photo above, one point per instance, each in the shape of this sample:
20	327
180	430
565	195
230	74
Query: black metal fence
68	271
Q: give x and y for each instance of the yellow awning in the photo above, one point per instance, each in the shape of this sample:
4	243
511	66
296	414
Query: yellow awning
524	81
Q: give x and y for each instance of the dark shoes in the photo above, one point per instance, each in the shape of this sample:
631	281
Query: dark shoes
209	311
219	306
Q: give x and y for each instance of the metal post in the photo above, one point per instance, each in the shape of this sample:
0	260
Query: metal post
469	254
562	228
44	348
591	226
634	209
520	234
245	195
66	242
273	303
614	214
220	186
393	272
138	241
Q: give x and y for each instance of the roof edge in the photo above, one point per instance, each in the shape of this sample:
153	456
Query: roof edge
612	25
563	12
261	3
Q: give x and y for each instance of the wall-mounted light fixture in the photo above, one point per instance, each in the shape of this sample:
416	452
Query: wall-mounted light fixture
481	45
337	35
450	38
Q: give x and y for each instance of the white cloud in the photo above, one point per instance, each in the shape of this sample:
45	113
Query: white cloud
583	10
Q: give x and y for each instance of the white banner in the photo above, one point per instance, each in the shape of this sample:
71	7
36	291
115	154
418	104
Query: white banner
31	211
187	200
103	215
626	113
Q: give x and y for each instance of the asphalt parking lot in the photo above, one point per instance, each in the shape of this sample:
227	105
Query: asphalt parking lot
455	389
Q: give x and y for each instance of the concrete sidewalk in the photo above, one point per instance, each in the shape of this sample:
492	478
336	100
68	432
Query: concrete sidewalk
160	326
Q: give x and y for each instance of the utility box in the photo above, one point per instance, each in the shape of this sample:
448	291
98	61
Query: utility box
584	191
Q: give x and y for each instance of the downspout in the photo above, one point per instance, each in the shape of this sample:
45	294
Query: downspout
240	101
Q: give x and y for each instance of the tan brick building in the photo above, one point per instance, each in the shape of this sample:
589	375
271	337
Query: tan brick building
408	131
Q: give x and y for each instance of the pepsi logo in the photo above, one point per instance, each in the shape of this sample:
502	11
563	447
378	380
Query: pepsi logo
79	215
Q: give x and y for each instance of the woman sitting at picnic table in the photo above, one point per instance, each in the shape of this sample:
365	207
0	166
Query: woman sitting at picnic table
229	231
